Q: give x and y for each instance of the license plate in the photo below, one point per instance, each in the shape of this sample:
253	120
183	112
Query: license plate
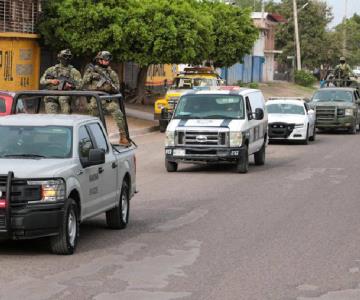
179	152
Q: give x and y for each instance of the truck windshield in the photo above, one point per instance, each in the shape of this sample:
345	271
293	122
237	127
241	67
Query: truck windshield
332	95
285	108
189	83
210	107
35	141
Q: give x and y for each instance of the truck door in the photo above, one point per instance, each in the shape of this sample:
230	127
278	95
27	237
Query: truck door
108	172
251	126
89	176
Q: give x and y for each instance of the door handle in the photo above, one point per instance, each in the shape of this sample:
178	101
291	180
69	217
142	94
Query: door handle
114	165
101	169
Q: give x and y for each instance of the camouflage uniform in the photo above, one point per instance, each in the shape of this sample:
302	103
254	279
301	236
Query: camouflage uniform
92	81
54	72
343	72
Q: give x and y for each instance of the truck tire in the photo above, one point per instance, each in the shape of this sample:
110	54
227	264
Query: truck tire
65	242
171	166
118	217
242	165
163	124
259	157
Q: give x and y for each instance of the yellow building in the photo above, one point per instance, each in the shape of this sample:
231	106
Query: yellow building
19	49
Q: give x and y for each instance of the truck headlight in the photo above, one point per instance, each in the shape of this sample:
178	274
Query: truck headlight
349	112
236	139
170	138
299	125
51	190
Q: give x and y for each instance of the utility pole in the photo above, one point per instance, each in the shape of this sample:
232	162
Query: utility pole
297	40
344	30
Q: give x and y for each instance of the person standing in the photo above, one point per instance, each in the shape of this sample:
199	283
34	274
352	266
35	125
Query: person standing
101	77
62	76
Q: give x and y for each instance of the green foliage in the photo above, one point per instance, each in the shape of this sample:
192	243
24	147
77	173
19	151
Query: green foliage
314	40
304	78
150	31
253	85
234	34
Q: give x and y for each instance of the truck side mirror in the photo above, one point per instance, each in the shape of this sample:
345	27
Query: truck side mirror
96	157
259	114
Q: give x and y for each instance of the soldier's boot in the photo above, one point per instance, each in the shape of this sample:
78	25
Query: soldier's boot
123	139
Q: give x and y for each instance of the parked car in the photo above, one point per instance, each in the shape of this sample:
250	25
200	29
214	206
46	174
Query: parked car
337	108
215	126
6	100
291	119
356	71
59	170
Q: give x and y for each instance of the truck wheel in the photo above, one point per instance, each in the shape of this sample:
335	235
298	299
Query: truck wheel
66	241
118	217
313	137
259	156
171	166
163	124
243	162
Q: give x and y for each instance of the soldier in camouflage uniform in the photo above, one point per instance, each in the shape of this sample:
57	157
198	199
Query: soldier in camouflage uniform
52	79
100	77
343	72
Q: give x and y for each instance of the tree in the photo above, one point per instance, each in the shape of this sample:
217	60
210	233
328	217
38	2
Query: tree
234	34
149	31
313	21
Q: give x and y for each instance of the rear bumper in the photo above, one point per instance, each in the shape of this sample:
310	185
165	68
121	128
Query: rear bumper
201	155
32	222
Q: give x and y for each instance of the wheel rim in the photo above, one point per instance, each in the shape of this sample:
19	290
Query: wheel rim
72	227
124	208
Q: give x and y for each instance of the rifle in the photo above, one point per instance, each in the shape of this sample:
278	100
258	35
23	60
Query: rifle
63	80
104	79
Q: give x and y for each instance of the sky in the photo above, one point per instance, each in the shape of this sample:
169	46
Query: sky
339	9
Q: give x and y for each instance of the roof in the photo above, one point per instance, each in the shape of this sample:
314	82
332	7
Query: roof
219	91
273	17
7	93
350	89
45	119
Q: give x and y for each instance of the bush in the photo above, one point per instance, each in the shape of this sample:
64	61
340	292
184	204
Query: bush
253	85
304	78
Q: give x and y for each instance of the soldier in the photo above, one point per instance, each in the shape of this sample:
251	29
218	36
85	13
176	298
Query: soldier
100	77
343	72
62	76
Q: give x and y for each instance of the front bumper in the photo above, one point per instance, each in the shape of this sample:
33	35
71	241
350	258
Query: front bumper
343	122
292	134
201	155
21	220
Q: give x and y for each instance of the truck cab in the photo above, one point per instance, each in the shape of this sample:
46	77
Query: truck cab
217	126
337	108
197	77
58	170
6	100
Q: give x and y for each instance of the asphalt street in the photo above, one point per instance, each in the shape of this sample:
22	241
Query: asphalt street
286	230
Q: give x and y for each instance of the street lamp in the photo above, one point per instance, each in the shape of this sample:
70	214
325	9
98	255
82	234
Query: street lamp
297	39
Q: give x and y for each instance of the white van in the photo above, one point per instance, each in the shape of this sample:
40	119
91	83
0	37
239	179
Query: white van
214	126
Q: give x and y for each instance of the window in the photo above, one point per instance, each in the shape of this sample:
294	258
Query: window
99	137
85	143
2	105
248	108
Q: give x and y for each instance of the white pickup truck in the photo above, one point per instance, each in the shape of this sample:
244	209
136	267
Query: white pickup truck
57	171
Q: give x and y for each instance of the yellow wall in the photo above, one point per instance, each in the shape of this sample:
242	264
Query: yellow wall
158	73
19	61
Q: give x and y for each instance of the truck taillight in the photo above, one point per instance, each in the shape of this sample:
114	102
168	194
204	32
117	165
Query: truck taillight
2	203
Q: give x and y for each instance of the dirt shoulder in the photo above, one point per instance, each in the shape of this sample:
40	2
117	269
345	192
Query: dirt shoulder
284	89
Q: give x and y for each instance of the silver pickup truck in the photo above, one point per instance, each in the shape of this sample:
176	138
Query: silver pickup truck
59	170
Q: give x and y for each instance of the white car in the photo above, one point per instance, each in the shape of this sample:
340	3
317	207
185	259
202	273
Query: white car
356	71
291	119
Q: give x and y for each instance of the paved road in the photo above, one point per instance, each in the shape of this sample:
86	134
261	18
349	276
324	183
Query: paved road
286	230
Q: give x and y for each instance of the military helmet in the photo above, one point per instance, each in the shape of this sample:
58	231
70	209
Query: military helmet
65	54
105	55
342	58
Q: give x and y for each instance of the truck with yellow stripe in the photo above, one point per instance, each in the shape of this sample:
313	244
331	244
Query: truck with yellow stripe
191	78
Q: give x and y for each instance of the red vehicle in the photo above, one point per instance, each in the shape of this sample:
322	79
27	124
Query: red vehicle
6	100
